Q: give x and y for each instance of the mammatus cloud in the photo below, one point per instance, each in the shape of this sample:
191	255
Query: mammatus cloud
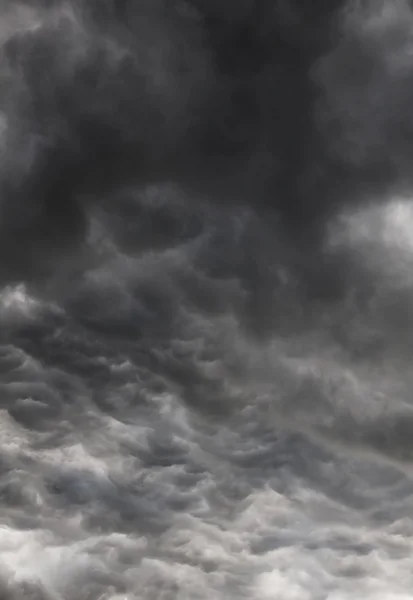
205	315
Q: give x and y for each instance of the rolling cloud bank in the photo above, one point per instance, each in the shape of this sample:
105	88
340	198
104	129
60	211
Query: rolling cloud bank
206	299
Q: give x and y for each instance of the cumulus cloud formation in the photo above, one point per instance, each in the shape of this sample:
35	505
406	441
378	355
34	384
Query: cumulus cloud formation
205	299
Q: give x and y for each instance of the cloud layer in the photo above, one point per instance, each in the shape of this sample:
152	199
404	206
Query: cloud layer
205	300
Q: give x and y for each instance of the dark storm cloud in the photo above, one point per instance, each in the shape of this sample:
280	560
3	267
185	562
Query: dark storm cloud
281	107
182	414
301	108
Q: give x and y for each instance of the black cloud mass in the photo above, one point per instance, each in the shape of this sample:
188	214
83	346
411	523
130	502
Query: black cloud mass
300	108
206	299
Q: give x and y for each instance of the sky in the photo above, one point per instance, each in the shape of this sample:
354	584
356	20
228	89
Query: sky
206	300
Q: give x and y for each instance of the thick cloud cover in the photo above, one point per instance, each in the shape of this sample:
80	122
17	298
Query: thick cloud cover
205	299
